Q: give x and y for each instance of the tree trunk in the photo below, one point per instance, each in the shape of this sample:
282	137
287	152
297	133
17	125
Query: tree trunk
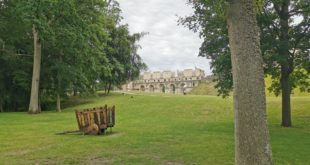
14	106
106	88
109	88
34	96
286	68
40	108
1	105
286	99
251	131
58	103
59	86
75	92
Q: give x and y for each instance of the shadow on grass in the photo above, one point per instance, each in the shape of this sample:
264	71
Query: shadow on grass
79	133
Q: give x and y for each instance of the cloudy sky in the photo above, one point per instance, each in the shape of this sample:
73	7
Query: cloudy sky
168	46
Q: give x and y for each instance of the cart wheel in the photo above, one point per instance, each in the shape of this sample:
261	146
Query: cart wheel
92	129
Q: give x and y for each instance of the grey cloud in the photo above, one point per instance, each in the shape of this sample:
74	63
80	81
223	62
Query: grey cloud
168	46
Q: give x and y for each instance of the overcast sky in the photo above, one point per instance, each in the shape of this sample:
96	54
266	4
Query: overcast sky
168	46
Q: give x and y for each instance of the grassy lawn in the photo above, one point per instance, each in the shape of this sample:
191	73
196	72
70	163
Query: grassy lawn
150	129
209	89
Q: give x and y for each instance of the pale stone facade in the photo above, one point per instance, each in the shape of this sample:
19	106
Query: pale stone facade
167	81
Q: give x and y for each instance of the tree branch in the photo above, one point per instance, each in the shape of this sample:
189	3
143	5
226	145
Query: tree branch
265	15
277	8
301	36
299	10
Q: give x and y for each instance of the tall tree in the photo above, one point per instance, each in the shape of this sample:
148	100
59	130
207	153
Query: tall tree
74	46
285	45
235	54
39	14
285	27
34	96
122	47
251	131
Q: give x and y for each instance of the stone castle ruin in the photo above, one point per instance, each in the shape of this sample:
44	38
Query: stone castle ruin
167	81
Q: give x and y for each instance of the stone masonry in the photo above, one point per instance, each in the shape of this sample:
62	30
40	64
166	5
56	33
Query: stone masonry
167	81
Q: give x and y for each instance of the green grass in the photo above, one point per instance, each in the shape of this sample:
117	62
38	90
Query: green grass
150	129
209	89
204	89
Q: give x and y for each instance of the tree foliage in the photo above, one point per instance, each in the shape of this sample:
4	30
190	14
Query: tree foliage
209	21
83	44
285	44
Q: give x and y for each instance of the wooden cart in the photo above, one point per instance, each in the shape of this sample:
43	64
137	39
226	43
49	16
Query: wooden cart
96	120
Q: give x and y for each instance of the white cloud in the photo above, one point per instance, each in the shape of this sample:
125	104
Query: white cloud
168	46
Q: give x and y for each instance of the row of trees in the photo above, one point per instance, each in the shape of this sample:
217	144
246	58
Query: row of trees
52	48
285	45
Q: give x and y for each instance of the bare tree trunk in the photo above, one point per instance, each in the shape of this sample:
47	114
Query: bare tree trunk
58	103
1	105
109	88
14	106
286	68
40	109
106	88
59	86
1	100
286	98
75	92
251	132
34	96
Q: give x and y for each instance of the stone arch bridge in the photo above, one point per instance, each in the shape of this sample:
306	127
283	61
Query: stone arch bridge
166	87
167	82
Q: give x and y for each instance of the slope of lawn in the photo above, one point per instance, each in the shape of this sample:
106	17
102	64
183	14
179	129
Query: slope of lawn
209	89
204	89
150	130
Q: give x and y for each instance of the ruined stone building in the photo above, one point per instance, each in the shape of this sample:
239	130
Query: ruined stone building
167	81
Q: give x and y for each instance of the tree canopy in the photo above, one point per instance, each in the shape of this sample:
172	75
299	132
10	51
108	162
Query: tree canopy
285	44
83	44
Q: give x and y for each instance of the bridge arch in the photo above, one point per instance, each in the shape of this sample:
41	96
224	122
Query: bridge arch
182	88
162	88
152	88
142	88
172	88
